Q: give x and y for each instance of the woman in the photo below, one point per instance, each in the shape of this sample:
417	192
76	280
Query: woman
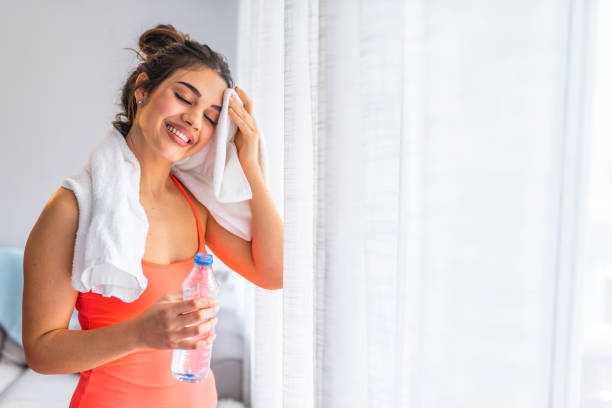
124	350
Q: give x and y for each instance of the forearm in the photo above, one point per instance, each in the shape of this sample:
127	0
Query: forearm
64	351
267	230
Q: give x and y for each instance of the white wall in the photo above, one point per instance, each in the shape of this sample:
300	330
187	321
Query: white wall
63	67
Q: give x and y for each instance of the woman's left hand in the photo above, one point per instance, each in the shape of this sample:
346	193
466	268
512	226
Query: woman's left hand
247	136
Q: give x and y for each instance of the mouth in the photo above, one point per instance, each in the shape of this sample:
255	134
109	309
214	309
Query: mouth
179	134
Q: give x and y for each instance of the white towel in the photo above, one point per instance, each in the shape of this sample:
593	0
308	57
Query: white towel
113	225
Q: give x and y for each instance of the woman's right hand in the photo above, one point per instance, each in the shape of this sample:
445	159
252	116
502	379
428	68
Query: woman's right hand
168	323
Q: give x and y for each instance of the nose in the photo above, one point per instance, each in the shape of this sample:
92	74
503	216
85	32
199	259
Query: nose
190	118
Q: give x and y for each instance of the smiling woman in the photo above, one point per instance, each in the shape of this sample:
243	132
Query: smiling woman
177	111
178	52
172	102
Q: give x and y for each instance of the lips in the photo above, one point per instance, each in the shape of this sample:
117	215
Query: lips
182	130
177	139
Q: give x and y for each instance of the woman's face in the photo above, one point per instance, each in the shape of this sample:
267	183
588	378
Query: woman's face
189	102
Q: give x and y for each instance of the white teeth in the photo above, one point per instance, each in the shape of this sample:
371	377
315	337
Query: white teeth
178	133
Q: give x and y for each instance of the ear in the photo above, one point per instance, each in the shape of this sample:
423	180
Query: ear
140	93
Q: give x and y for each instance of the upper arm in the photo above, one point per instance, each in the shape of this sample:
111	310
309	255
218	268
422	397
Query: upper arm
48	296
232	250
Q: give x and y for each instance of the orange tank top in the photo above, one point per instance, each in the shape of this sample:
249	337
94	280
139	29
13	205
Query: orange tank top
141	378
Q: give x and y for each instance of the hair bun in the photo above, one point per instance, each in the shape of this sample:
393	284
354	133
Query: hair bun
160	37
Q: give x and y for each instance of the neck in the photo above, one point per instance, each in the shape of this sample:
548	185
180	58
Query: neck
155	179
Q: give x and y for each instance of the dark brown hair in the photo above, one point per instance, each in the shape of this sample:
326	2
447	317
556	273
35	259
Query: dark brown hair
163	51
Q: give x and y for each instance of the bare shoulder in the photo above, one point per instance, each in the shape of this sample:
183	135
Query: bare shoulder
59	217
53	236
65	200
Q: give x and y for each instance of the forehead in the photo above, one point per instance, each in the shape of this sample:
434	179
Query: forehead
208	82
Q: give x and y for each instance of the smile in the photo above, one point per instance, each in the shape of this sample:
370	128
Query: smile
178	136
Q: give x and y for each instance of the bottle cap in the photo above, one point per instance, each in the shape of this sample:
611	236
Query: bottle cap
202	258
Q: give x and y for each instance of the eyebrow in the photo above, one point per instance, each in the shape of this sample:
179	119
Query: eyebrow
195	91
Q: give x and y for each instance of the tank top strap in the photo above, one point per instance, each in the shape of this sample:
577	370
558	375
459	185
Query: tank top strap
201	239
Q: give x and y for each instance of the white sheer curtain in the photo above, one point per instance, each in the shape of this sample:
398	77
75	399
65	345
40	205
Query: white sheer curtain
592	354
430	172
260	74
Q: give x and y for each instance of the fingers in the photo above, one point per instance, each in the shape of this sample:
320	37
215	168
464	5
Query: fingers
198	330
197	316
187	306
240	122
248	103
242	113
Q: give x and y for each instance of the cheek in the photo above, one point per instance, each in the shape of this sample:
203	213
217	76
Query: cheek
162	108
207	134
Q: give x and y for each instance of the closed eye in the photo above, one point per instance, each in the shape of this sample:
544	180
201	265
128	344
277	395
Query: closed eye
182	99
210	120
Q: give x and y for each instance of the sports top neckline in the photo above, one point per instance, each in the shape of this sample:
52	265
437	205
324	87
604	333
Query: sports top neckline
201	242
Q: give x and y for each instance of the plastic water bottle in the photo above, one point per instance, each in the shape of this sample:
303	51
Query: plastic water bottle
194	365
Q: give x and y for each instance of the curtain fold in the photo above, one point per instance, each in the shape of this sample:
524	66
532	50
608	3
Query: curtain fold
299	254
260	74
